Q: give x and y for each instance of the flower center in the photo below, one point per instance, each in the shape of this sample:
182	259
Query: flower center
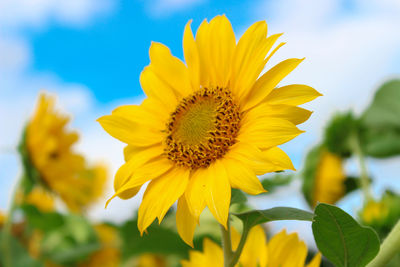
202	128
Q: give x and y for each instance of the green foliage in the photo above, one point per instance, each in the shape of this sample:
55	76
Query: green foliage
66	239
158	239
388	208
272	183
238	197
339	132
19	255
254	217
381	123
43	221
341	239
309	172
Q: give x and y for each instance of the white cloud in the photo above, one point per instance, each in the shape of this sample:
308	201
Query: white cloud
37	13
163	8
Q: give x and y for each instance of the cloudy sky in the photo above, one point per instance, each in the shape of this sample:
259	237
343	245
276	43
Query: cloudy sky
90	54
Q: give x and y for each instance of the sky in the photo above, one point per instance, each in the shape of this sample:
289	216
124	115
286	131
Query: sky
90	54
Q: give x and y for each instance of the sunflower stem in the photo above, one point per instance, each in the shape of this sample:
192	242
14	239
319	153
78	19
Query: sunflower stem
364	180
238	251
227	244
7	229
389	248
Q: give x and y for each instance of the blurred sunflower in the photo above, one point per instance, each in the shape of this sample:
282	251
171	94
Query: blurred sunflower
282	250
207	126
41	199
329	180
151	260
323	177
375	212
109	254
2	219
62	171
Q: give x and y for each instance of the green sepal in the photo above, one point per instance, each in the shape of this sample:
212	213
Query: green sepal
31	175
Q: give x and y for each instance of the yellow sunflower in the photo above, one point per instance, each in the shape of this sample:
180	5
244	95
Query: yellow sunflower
375	212
329	184
50	149
151	260
207	126
283	250
2	219
41	199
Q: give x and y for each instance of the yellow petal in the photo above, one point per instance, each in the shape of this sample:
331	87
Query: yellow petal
196	191
191	56
124	186
278	159
213	253
170	69
251	156
268	81
207	74
218	195
136	162
130	132
295	94
254	253
235	238
242	177
268	133
249	54
222	46
160	195
185	222
127	194
316	261
293	114
140	115
156	88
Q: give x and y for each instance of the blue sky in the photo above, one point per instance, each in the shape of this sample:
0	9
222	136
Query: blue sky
90	54
109	55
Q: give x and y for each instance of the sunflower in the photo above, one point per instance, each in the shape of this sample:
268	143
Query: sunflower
207	126
329	181
41	199
50	151
2	219
151	260
282	250
375	212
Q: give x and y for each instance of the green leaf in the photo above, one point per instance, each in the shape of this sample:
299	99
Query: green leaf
341	239
44	221
381	124
238	197
158	240
19	256
254	217
71	242
381	143
338	134
384	110
272	183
